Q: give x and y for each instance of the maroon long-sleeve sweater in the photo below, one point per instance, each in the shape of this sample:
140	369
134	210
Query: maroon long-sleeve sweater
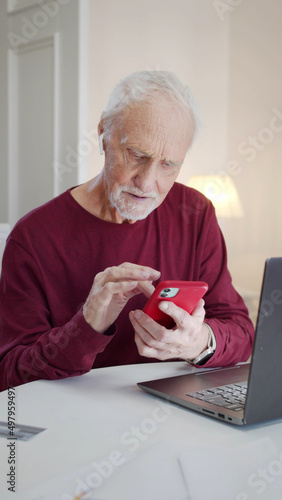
49	264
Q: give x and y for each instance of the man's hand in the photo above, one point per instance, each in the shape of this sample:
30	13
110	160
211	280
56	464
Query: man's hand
185	341
111	291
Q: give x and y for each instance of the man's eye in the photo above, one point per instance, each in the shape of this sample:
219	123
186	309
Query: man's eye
168	164
136	156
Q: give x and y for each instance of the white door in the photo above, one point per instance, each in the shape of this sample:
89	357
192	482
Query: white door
47	99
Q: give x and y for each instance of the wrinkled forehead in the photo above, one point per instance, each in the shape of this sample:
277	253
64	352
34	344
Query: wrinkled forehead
155	126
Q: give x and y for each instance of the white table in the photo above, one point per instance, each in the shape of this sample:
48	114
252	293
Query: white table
142	447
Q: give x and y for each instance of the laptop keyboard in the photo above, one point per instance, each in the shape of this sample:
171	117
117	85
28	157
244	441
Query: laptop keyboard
232	396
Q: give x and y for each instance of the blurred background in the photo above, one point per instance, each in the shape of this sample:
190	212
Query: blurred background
59	61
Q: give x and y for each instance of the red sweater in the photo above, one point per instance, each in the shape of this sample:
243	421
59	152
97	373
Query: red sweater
52	257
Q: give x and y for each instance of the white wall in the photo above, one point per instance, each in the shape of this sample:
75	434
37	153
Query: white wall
183	36
3	116
44	101
255	136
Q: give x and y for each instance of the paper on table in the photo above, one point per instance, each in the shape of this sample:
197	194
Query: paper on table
152	474
244	472
20	432
69	486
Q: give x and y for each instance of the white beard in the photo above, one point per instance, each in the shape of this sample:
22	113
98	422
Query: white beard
128	207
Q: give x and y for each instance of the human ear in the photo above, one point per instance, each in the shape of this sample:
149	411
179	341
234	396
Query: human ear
101	135
101	144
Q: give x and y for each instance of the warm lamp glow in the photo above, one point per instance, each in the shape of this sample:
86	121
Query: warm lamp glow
221	190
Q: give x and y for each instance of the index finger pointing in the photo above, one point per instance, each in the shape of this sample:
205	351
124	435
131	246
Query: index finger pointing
130	272
151	273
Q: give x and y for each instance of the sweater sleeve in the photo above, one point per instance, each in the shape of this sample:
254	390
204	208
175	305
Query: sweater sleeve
30	348
226	312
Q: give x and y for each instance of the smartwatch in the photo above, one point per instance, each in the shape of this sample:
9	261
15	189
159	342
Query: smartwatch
208	352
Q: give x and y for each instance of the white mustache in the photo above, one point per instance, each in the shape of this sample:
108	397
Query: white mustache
137	192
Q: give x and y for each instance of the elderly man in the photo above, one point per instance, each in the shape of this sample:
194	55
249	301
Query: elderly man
78	271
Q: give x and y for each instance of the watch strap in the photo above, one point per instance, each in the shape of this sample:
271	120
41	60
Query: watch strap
208	352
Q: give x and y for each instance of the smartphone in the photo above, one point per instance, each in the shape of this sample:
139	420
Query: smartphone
185	294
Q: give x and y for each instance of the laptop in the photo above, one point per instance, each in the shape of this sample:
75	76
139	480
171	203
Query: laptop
248	393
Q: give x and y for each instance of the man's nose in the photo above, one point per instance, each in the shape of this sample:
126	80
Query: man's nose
146	177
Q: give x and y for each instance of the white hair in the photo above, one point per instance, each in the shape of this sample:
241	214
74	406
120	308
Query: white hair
142	87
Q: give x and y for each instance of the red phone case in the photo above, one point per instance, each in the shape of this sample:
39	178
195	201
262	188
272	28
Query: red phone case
189	294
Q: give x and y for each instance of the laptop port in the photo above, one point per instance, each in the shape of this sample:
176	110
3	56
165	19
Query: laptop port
221	415
208	411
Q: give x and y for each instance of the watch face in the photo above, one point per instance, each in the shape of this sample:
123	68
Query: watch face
200	360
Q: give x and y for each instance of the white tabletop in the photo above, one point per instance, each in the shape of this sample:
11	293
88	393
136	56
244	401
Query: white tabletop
103	432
